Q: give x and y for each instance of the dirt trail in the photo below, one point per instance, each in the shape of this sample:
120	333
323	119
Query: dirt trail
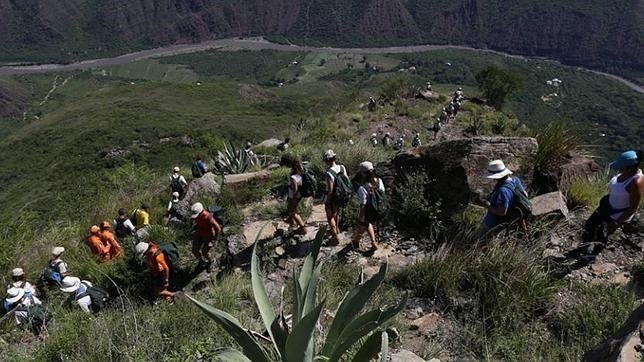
232	44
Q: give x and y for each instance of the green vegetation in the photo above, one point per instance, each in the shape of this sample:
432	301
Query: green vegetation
497	84
555	144
587	193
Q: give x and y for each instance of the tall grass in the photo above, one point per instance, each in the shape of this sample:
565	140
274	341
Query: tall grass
587	193
556	141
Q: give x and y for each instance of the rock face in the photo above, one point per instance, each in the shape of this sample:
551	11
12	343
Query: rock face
459	167
204	186
553	202
576	167
404	355
624	345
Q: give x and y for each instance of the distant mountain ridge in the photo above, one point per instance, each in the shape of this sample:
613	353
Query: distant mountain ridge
593	33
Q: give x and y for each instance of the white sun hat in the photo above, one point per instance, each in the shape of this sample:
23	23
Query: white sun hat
57	250
14	294
176	169
70	284
141	248
175	195
329	154
17	272
196	209
366	166
497	170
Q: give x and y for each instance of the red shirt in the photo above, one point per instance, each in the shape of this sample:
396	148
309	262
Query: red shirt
205	222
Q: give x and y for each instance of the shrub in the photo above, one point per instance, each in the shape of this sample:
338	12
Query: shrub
555	143
496	84
414	206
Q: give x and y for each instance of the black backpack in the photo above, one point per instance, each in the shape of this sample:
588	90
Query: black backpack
133	217
51	274
176	185
342	188
219	213
121	230
171	254
309	184
196	170
98	296
377	207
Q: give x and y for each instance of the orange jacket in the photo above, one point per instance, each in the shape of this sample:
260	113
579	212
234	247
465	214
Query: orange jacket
98	247
156	261
109	239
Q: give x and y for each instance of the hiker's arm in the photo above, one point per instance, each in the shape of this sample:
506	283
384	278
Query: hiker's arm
329	185
216	228
293	186
635	192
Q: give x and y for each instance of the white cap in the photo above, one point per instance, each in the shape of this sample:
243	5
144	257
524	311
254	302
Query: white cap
497	170
176	169
141	248
374	135
14	294
17	272
196	209
57	250
366	166
329	154
70	284
175	195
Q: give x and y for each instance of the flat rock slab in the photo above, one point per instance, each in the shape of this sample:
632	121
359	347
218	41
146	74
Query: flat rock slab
404	355
553	202
265	230
603	268
271	142
318	215
427	323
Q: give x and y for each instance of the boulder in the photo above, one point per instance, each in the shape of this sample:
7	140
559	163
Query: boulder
575	167
553	202
198	188
624	344
269	143
242	178
427	323
404	355
459	167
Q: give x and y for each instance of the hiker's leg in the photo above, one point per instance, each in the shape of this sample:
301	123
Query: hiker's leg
357	236
298	220
331	219
372	235
205	250
196	249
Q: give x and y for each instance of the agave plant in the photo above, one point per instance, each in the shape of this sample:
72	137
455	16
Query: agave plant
351	336
235	160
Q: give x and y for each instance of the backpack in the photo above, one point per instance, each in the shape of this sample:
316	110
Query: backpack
219	213
309	184
37	317
171	254
50	274
176	185
377	206
521	207
133	217
342	190
196	170
98	296
121	230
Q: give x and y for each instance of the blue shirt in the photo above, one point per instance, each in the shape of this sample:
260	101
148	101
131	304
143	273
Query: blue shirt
502	197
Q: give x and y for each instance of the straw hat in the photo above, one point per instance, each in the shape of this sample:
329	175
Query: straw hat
196	209
141	248
176	169
57	250
328	155
70	284
497	170
17	272
14	294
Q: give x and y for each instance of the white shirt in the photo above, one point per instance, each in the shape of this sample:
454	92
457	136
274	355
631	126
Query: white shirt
62	266
28	288
172	203
298	181
619	197
127	223
338	169
85	302
363	193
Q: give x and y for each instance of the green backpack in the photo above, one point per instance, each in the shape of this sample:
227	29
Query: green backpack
309	184
521	206
98	296
342	189
377	207
171	254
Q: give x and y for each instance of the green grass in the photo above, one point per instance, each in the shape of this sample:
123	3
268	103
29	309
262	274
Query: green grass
587	193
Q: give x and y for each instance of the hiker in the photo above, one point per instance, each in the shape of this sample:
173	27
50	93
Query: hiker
159	267
374	139
337	181
142	216
617	209
82	294
18	280
458	94
56	268
249	152
371	106
173	209
294	197
178	183
199	167
108	239
283	146
429	86
416	141
207	230
123	226
369	185
387	140
502	207
400	143
98	247
27	310
443	116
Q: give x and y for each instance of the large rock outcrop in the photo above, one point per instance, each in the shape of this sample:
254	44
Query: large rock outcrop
624	345
459	167
575	167
198	188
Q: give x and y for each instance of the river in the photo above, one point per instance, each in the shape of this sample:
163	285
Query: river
232	44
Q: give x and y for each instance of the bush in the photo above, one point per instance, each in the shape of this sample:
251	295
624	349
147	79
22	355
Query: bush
555	143
414	206
587	193
497	84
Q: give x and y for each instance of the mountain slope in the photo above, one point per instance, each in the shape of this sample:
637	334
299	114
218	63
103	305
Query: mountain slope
591	33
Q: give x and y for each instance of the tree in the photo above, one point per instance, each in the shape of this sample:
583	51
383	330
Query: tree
496	84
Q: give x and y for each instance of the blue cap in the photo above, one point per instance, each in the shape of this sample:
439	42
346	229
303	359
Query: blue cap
626	159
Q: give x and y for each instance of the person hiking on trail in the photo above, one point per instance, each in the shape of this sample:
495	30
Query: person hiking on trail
109	239
387	140
18	280
159	267
400	143
57	269
500	201
370	183
429	86
142	216
207	230
626	191
27	310
373	139
458	94
97	246
199	167
443	116
416	141
283	146
294	197
178	183
249	152
79	289
331	207
173	208
123	226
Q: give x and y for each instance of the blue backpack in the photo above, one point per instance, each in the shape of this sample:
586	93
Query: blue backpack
51	274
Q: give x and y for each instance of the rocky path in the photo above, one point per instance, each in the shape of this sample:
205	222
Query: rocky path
233	44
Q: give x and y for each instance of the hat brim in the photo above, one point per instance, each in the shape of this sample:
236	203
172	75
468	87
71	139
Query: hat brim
498	175
72	288
194	216
17	297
